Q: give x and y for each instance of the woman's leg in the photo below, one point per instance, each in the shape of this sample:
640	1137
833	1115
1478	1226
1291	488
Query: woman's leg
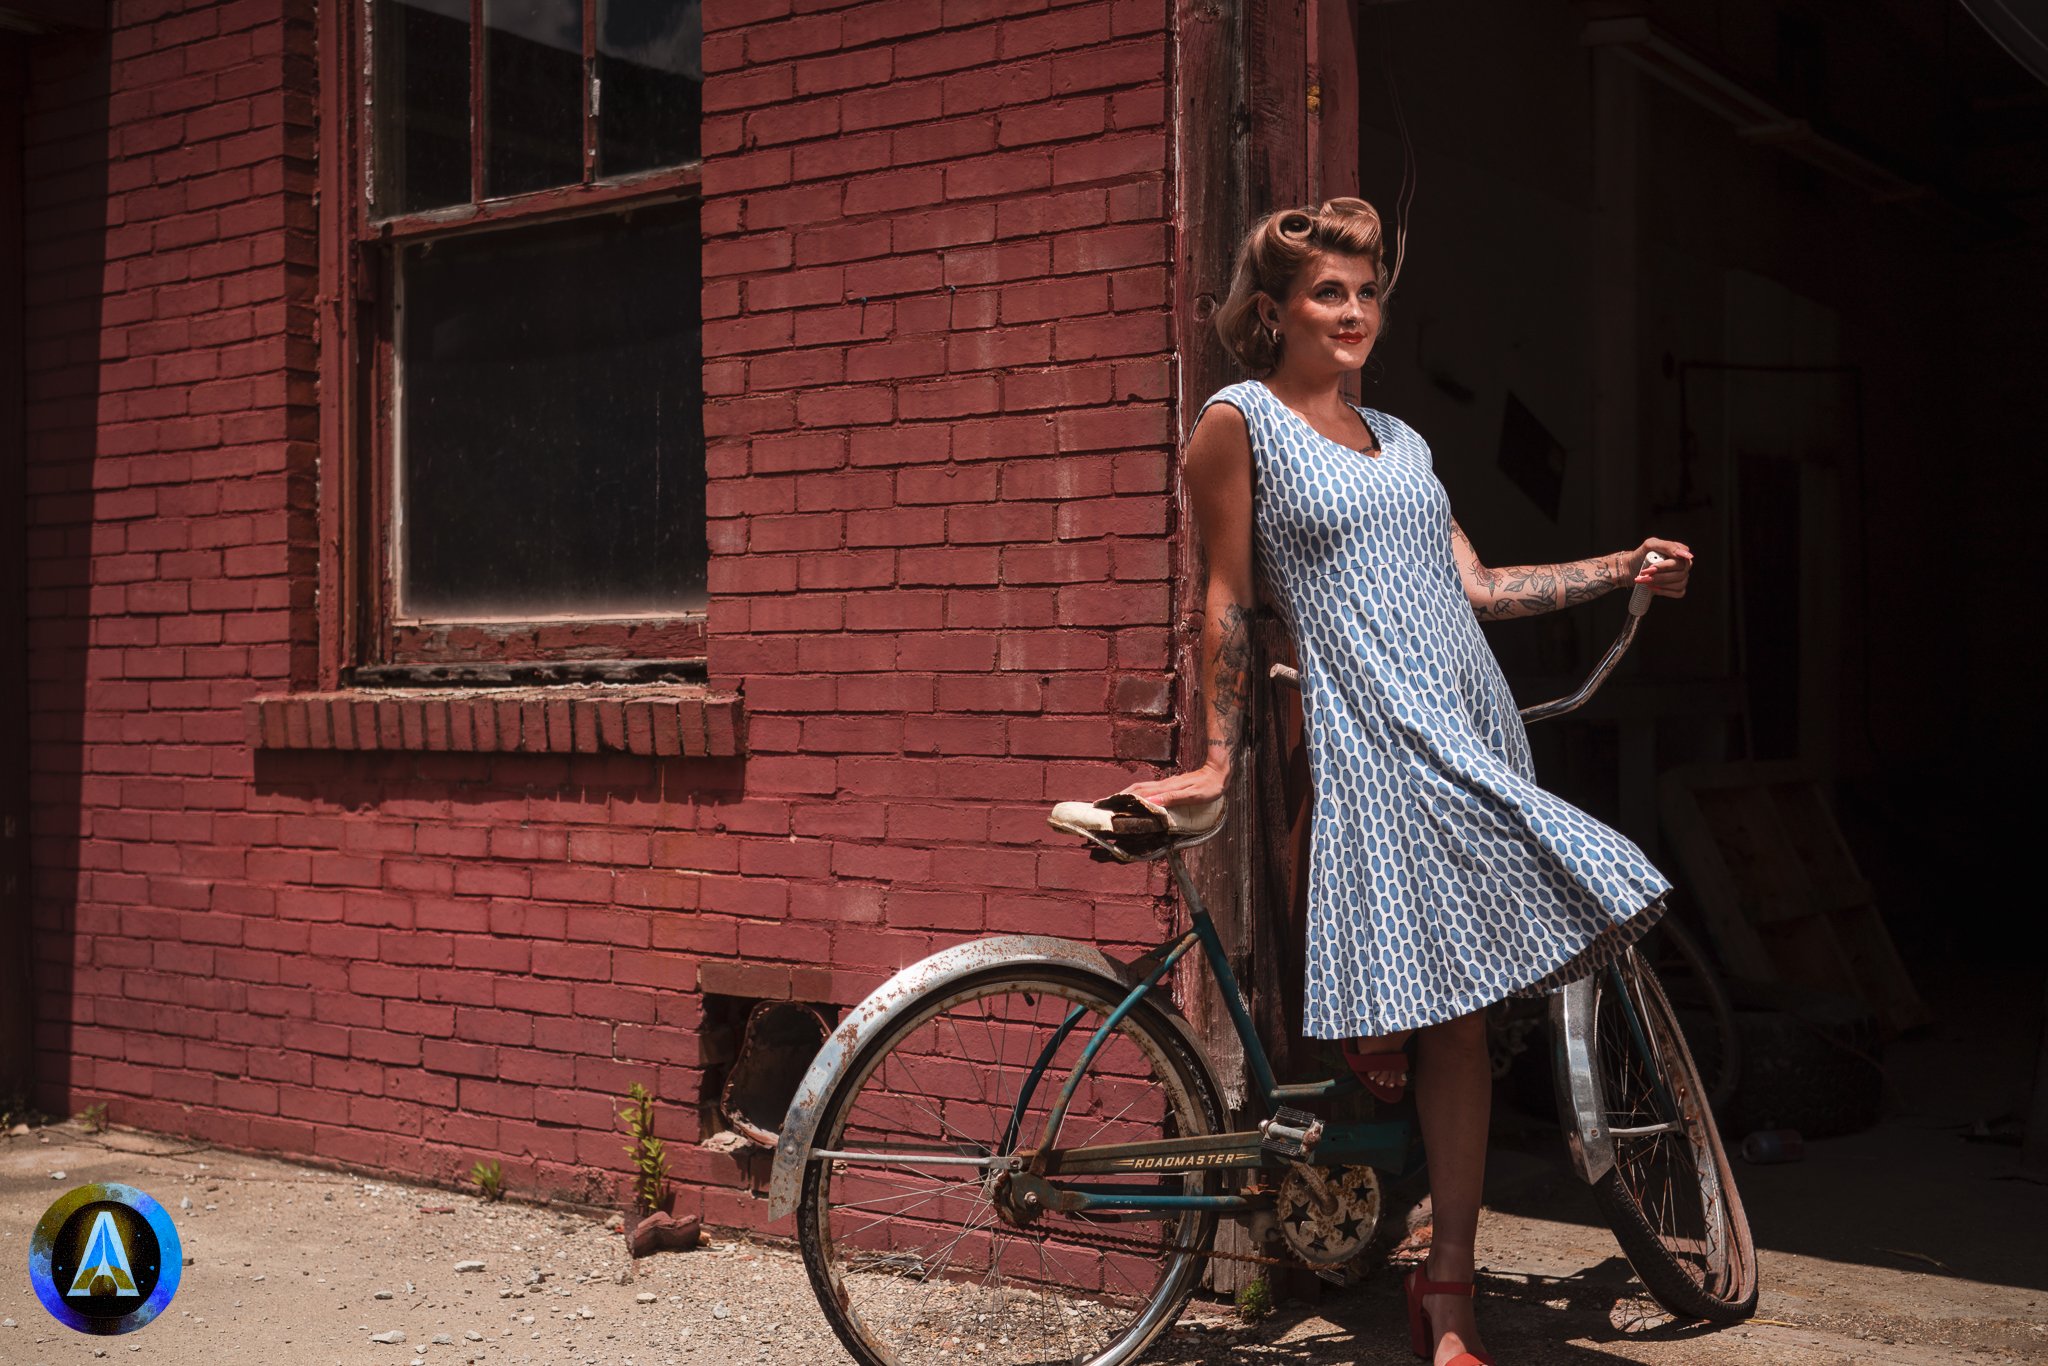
1453	1093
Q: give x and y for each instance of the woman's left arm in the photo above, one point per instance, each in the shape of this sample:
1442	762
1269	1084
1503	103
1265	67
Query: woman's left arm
1529	589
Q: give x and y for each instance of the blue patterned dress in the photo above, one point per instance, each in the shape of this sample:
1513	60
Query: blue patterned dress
1441	877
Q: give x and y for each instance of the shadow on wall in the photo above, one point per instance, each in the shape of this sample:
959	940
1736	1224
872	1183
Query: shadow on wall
77	887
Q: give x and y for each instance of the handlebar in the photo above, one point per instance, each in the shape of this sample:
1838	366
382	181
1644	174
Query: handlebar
1639	597
1638	604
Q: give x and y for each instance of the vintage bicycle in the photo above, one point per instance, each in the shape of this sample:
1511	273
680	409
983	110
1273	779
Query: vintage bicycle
1015	1151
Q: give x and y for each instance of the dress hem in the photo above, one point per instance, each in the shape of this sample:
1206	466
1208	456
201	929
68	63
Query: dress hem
1594	955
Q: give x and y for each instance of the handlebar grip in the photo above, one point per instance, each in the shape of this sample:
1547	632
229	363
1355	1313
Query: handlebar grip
1639	600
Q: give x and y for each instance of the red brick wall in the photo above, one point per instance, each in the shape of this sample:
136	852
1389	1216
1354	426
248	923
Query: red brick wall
937	341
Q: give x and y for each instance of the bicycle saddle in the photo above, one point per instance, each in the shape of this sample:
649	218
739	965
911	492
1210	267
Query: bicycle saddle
1127	827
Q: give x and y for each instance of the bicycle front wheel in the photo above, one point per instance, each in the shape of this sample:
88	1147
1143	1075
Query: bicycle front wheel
917	1253
1671	1196
1693	986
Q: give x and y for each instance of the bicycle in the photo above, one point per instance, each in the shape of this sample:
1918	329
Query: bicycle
1014	1149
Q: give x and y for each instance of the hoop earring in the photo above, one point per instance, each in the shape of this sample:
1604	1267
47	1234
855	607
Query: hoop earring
1273	337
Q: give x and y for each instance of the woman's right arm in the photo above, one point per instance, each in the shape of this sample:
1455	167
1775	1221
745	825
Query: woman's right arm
1218	476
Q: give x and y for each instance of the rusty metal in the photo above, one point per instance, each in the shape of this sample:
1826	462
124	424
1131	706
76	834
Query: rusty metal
903	992
1291	1134
1327	1216
776	1045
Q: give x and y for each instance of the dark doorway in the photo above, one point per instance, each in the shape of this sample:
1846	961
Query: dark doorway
16	1010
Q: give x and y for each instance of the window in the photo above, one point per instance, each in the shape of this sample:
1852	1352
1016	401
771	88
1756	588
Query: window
525	256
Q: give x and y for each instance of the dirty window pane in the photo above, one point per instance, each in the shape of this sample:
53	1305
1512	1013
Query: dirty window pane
551	457
420	98
650	81
533	95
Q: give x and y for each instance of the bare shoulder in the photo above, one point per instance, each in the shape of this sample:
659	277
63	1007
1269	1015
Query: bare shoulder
1221	440
1225	408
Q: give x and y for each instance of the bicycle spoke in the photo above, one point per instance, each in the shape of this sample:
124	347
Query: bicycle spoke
918	1257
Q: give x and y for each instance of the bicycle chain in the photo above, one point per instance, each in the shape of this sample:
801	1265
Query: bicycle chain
1091	1237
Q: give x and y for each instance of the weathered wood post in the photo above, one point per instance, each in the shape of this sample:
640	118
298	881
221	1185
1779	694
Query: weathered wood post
1267	110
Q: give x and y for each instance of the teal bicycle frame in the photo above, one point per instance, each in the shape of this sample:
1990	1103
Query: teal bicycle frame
1387	1144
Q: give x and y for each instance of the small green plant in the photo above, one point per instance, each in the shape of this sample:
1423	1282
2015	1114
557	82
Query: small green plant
650	1160
1254	1299
489	1180
93	1118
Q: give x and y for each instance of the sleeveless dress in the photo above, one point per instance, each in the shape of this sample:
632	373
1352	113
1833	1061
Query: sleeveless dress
1441	877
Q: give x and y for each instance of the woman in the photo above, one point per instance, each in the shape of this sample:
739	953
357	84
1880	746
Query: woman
1441	878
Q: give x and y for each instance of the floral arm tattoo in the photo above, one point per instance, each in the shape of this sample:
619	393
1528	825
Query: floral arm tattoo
1230	681
1530	589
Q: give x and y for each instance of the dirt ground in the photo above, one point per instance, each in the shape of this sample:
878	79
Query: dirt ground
1902	1244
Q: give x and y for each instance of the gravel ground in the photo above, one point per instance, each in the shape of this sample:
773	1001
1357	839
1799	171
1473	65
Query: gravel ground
1904	1245
298	1265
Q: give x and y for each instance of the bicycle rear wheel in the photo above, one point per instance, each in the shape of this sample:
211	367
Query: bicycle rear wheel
914	1252
1670	1197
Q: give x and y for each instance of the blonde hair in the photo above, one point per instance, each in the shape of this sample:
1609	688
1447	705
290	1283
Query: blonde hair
1271	257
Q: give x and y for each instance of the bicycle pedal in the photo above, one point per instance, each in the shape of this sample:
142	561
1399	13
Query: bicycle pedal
1290	1133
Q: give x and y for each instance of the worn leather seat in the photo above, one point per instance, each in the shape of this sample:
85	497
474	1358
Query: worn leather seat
1126	827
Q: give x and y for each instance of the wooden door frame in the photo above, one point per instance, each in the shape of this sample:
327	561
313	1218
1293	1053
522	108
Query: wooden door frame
1266	114
1265	107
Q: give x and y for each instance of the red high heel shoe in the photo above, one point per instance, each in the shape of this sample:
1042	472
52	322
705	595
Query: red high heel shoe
1420	1336
1363	1065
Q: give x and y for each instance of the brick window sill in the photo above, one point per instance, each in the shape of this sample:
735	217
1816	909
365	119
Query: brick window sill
678	719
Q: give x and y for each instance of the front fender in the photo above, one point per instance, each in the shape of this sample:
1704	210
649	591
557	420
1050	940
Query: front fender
891	999
1579	1103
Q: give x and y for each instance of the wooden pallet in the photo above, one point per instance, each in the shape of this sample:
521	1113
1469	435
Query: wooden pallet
1783	897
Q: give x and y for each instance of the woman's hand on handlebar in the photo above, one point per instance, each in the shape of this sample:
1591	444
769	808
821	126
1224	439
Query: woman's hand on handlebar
1196	785
1667	578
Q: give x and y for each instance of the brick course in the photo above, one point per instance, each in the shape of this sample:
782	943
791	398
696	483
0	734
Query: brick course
406	936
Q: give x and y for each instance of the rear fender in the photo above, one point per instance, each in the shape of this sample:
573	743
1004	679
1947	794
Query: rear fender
901	993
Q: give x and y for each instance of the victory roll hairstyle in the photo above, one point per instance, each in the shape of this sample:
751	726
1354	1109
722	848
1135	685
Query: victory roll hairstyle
1270	259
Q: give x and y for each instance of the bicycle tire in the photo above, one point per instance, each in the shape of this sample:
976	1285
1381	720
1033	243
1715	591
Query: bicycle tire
1670	1197
860	1275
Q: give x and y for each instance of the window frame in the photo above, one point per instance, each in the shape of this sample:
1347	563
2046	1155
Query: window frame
362	388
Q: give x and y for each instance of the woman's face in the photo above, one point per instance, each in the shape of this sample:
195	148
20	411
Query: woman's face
1331	317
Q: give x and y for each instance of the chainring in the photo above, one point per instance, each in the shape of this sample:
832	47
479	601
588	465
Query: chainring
1327	1215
